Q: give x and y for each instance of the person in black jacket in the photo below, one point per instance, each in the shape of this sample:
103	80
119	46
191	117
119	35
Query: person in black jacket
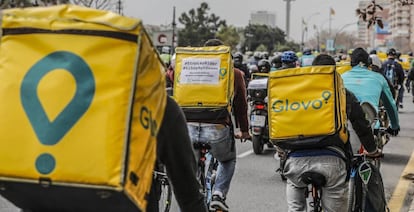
175	151
395	73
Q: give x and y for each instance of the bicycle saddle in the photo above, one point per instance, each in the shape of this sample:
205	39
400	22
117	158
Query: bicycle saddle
313	178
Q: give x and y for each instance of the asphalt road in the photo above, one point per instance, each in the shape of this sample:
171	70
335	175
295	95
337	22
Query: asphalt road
257	187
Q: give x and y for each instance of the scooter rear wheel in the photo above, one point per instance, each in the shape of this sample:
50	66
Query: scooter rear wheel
257	141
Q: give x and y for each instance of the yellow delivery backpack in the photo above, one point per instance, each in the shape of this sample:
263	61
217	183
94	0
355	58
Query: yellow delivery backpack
307	107
83	96
204	81
342	68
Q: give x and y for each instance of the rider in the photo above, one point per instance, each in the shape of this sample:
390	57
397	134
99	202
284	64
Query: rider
307	57
376	65
333	162
276	62
263	66
174	147
238	63
370	87
395	74
165	55
222	129
289	60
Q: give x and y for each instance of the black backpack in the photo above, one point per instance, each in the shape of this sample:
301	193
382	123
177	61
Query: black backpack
390	73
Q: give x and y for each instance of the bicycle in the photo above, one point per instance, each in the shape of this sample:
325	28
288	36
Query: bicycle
206	170
360	177
315	182
381	135
164	189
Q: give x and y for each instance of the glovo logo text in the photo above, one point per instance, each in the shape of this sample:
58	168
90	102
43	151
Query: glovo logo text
287	105
147	122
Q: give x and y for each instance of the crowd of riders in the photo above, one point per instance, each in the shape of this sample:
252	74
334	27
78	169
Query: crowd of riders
388	86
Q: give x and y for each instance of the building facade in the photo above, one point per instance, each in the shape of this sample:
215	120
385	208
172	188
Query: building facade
263	18
398	24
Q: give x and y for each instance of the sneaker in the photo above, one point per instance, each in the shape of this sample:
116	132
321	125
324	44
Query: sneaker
401	105
218	203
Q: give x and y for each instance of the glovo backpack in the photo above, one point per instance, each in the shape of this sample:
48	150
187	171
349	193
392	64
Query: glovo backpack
307	108
342	68
204	82
83	96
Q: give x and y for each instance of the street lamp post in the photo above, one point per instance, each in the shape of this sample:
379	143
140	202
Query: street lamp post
305	29
342	28
317	38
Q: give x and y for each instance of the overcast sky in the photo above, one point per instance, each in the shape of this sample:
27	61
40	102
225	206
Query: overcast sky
237	12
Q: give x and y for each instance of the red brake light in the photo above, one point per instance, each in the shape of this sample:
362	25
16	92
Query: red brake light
259	107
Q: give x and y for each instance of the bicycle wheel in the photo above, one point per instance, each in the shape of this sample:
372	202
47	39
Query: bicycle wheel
165	196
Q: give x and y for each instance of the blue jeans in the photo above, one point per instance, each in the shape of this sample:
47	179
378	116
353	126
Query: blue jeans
334	193
222	148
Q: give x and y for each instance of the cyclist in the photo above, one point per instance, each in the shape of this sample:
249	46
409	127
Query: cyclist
376	65
165	55
263	66
307	57
395	74
276	62
410	79
370	87
333	162
222	130
289	60
239	64
255	59
174	147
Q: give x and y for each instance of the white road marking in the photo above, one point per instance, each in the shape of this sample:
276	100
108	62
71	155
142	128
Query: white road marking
244	154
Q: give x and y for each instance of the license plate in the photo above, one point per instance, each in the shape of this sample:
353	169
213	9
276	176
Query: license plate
258	121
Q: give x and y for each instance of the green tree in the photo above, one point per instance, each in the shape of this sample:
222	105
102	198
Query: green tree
262	34
199	26
229	35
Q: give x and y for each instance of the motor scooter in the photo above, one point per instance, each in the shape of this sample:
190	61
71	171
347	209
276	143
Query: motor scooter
259	126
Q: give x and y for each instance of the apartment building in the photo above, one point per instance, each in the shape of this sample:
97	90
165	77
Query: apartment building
263	17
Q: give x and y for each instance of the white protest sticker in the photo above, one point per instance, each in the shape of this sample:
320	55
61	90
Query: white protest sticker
200	71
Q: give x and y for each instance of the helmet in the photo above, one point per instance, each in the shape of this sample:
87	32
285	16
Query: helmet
289	57
375	60
265	55
238	57
276	61
263	66
391	52
257	55
307	51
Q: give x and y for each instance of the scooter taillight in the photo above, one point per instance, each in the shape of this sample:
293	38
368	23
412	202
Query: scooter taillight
259	107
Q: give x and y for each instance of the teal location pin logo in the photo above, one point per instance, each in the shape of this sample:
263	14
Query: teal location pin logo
222	72
326	95
50	132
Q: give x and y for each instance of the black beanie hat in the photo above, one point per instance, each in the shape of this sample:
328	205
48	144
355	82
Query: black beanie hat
359	55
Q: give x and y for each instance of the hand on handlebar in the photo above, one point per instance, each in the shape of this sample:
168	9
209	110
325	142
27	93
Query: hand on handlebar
244	136
377	154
